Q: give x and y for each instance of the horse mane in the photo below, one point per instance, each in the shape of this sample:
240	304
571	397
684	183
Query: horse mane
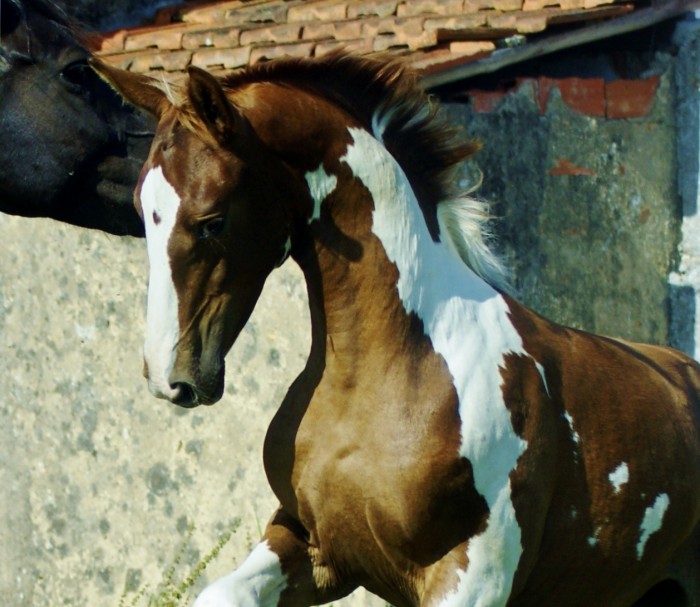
384	95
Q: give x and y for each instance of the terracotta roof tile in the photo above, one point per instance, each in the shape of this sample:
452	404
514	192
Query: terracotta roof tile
208	58
224	37
275	33
433	35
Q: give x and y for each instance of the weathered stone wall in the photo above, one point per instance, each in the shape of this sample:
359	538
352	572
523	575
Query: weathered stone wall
588	214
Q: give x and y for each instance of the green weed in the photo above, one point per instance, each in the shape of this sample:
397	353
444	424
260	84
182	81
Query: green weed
174	589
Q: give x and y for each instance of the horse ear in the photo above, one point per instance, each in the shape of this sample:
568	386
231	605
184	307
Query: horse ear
137	89
213	107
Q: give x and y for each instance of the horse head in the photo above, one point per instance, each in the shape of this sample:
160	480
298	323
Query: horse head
67	144
211	198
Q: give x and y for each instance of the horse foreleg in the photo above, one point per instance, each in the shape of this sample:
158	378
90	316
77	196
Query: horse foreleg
282	571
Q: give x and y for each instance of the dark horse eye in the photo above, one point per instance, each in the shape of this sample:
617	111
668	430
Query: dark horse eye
77	75
211	228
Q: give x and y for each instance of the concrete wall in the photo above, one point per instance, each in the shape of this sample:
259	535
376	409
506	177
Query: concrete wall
99	480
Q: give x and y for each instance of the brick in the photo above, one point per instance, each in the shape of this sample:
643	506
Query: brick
412	26
230	58
472	47
270	12
564	166
276	34
389	33
438	7
594	3
173	61
300	49
367	8
210	13
361	46
501	5
329	10
343	30
584	95
630	98
163	38
388	41
520	21
445	25
225	37
536	5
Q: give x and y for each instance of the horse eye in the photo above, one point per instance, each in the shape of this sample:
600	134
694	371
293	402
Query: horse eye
211	228
77	74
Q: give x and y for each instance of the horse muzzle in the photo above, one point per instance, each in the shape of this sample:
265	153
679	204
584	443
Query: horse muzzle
185	390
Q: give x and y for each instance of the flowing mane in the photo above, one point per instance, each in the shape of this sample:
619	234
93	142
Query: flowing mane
385	97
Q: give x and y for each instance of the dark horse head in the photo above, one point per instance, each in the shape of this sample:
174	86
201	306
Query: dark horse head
69	148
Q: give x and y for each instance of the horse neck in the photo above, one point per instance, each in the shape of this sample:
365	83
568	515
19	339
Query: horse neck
375	269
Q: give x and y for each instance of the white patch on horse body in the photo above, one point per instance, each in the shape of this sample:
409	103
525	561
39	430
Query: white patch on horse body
160	203
540	370
468	324
258	582
321	184
593	540
619	477
652	521
570	420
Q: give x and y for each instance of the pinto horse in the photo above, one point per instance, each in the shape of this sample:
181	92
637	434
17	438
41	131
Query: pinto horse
444	445
69	148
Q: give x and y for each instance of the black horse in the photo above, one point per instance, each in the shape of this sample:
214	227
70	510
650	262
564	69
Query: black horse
69	148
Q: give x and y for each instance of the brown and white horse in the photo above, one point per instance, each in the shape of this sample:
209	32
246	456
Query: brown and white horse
444	445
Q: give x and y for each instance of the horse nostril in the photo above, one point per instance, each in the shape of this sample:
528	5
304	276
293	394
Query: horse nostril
184	395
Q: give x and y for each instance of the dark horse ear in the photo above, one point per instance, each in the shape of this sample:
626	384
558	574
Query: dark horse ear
10	18
138	89
212	106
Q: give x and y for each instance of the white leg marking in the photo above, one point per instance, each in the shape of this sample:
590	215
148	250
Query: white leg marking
321	184
620	476
468	324
258	582
652	521
160	203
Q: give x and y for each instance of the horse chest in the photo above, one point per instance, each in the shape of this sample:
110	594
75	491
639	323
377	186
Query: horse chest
391	485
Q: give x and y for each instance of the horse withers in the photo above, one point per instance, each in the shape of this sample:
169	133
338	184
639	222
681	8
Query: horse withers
69	148
444	445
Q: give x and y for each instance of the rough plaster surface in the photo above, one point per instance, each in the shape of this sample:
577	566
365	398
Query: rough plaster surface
98	480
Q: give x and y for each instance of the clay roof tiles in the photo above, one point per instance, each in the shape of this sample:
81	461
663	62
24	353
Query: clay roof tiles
444	39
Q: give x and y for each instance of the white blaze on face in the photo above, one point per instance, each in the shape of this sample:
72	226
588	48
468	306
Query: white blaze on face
160	203
468	324
258	582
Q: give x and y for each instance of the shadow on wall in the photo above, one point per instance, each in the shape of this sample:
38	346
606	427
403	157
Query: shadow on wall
682	314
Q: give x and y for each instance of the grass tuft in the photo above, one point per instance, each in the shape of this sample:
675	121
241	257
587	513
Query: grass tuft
174	590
